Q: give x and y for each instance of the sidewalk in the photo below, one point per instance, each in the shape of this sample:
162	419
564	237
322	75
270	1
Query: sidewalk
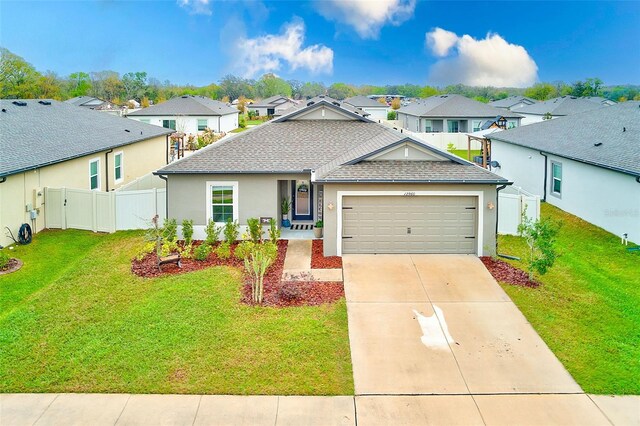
297	264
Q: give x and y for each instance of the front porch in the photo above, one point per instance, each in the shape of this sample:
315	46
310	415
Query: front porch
303	209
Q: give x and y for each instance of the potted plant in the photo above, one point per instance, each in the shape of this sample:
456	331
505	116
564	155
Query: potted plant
317	229
285	207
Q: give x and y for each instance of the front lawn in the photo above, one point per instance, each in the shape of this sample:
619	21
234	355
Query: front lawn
90	325
588	307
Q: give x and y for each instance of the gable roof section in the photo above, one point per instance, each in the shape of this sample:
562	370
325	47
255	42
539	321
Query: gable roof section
38	135
511	101
187	105
616	128
564	105
364	102
271	101
313	103
454	106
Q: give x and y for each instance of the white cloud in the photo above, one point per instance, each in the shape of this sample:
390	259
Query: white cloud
268	53
367	16
196	7
490	61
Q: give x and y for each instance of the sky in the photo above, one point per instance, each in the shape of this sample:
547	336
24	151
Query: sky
498	43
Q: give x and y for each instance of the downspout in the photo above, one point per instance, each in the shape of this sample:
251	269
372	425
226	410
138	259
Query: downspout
498	189
106	167
166	149
166	196
3	179
219	129
544	190
637	179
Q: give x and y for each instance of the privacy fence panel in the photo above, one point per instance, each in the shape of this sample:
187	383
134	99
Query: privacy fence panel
135	209
512	203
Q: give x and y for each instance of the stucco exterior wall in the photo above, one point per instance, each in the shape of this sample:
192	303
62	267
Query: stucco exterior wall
189	124
605	198
19	189
377	113
488	225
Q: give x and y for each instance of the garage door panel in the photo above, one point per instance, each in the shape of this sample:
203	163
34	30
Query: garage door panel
438	224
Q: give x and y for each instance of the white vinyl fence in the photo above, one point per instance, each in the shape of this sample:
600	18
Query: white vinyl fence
512	202
103	211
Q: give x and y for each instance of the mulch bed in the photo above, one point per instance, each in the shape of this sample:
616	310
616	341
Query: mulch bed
13	265
318	261
277	293
506	273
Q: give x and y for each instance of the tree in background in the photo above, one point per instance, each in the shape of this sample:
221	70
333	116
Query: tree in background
232	87
271	85
296	85
18	78
395	103
311	89
51	86
341	91
242	103
541	91
382	101
79	84
135	84
428	91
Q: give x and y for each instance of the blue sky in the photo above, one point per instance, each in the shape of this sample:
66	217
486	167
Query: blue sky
511	43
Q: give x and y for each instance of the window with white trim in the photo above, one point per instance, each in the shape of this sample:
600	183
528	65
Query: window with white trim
94	174
202	124
118	167
428	126
556	178
476	124
222	201
169	124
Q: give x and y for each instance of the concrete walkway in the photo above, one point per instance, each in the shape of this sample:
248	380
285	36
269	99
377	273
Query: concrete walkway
297	264
124	409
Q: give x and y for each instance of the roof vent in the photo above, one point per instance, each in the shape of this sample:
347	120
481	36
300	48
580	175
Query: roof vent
127	130
624	129
19	103
321	96
310	103
597	144
336	103
4	110
44	102
184	97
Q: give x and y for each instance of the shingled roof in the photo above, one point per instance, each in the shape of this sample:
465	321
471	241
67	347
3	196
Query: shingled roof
564	105
607	137
364	102
287	145
510	101
187	105
44	132
454	106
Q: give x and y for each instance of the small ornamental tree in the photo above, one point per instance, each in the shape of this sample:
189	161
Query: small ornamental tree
540	236
256	264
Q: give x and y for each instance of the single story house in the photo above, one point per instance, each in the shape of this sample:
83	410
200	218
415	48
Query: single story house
513	102
376	189
587	164
96	104
556	107
377	110
190	115
272	106
47	143
451	114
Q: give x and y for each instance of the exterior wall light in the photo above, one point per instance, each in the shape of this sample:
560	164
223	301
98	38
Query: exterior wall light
330	206
490	206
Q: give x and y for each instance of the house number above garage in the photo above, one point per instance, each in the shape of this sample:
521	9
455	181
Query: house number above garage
410	194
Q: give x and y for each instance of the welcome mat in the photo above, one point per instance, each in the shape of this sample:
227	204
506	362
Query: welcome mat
301	226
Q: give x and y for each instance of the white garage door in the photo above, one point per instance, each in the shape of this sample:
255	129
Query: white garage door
418	224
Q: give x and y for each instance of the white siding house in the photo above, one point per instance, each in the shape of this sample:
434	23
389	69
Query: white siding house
376	110
272	106
556	107
587	164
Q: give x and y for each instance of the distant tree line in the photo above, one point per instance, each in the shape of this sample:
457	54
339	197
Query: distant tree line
20	79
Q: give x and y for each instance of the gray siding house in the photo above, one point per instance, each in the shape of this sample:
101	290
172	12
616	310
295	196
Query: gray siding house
556	107
377	190
451	114
513	102
587	164
272	106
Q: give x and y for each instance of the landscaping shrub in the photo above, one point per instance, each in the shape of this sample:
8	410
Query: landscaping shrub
231	231
540	236
244	249
147	248
213	233
202	252
168	247
170	231
256	264
391	115
241	122
187	231
255	229
289	292
274	231
223	251
4	260
186	251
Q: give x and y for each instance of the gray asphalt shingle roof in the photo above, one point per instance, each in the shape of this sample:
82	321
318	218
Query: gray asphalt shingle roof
455	106
364	101
511	101
37	135
565	105
269	102
187	105
323	99
616	128
293	146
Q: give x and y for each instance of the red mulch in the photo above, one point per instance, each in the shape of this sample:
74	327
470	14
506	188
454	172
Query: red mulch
504	272
318	261
276	292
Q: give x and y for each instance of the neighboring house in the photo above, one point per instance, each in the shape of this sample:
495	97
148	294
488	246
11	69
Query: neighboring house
97	104
513	102
190	115
273	106
600	100
56	144
556	107
587	164
377	110
376	189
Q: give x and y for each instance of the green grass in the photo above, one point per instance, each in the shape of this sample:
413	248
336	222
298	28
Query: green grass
588	308
92	326
254	122
239	130
462	153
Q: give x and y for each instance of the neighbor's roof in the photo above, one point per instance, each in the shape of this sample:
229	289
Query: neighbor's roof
269	102
565	105
86	101
187	105
511	101
616	128
364	101
326	100
455	106
38	135
287	145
